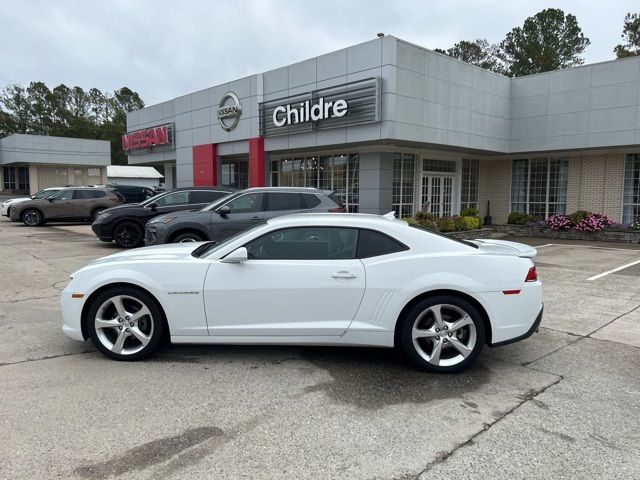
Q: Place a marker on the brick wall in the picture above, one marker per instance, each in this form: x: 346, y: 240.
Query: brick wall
x: 595, y: 183
x: 495, y: 186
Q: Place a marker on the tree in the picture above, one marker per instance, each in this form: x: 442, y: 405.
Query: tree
x: 68, y: 112
x: 631, y: 35
x: 550, y: 40
x: 478, y: 52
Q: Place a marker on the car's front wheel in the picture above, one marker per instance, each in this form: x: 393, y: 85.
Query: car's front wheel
x: 32, y: 218
x: 128, y: 235
x: 443, y: 334
x: 187, y: 237
x: 125, y: 323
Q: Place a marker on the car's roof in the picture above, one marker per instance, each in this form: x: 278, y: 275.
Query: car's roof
x: 336, y: 219
x: 213, y: 189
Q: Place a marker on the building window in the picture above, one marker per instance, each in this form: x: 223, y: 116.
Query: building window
x: 539, y: 186
x: 469, y: 187
x: 442, y: 166
x: 403, y: 184
x: 631, y: 194
x: 336, y: 172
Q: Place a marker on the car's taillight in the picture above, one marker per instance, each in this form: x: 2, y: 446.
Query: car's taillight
x: 337, y: 210
x: 532, y: 275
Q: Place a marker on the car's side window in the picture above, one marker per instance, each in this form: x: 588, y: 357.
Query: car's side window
x: 176, y: 198
x: 247, y: 203
x: 284, y: 201
x: 64, y: 195
x: 373, y: 244
x: 305, y: 243
x: 311, y: 200
x: 204, y: 196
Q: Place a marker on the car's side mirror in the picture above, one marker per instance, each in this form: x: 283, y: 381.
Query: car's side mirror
x: 239, y: 255
x: 224, y: 210
x: 153, y: 206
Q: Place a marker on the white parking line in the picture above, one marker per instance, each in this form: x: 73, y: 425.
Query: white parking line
x: 603, y: 274
x: 584, y: 246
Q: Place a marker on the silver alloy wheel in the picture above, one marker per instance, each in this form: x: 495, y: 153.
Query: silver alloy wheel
x: 124, y: 324
x: 187, y: 240
x: 32, y: 218
x: 444, y: 335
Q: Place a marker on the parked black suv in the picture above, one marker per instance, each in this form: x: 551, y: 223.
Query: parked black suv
x: 125, y: 224
x: 132, y: 193
x: 238, y: 212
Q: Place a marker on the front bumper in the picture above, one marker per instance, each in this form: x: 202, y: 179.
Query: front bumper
x: 15, y: 215
x: 103, y: 231
x: 155, y: 234
x: 72, y: 312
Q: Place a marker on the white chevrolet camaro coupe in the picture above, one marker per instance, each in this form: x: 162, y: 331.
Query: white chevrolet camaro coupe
x: 312, y: 279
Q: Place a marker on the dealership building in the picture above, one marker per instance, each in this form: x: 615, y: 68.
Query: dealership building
x: 390, y: 125
x: 33, y: 162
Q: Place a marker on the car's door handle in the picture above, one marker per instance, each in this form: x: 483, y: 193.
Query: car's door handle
x: 344, y: 274
x: 255, y: 218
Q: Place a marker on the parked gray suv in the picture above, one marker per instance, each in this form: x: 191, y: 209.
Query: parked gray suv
x: 236, y: 212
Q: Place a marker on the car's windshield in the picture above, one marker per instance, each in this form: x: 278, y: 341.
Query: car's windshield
x: 217, y: 203
x: 43, y: 194
x: 210, y: 247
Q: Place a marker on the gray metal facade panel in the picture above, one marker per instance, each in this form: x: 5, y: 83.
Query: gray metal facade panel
x: 20, y: 148
x: 431, y: 98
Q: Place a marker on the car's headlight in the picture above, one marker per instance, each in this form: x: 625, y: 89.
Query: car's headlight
x: 166, y: 220
x: 103, y: 216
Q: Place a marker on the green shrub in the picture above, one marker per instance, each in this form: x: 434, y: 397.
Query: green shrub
x: 577, y: 217
x: 445, y: 224
x: 470, y: 212
x: 519, y: 218
x: 423, y: 219
x: 471, y: 223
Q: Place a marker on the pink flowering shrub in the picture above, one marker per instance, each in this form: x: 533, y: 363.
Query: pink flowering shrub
x: 559, y: 222
x: 594, y: 222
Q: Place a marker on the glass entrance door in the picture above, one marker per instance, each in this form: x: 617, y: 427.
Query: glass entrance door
x: 234, y: 173
x: 437, y: 195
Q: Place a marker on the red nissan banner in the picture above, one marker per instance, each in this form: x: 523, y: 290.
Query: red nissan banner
x: 146, y: 138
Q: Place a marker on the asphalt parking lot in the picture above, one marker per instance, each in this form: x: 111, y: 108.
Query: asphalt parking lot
x: 563, y: 404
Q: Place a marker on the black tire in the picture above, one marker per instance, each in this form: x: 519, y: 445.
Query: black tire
x: 128, y: 235
x: 153, y: 328
x: 187, y: 237
x: 445, y: 347
x: 32, y: 217
x: 96, y: 212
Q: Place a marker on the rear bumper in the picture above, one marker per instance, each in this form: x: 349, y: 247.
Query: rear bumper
x: 534, y: 328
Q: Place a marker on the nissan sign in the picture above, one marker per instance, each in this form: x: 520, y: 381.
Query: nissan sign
x: 148, y: 138
x: 229, y: 111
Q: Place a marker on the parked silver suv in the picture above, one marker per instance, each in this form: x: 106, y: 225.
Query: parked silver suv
x: 69, y: 204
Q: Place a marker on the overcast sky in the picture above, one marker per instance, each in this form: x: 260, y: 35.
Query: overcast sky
x: 163, y: 49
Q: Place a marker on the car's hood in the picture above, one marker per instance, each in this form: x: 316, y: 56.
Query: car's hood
x: 171, y: 251
x: 124, y: 206
x: 503, y: 247
x: 178, y: 215
x: 13, y: 201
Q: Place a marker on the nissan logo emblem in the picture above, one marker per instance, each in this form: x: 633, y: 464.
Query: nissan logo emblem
x: 229, y: 111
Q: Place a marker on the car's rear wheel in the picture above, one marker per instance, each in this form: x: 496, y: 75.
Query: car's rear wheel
x: 128, y: 235
x: 187, y: 237
x: 125, y: 323
x: 443, y: 334
x: 32, y: 218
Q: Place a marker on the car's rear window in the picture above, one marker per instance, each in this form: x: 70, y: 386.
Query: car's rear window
x: 464, y: 242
